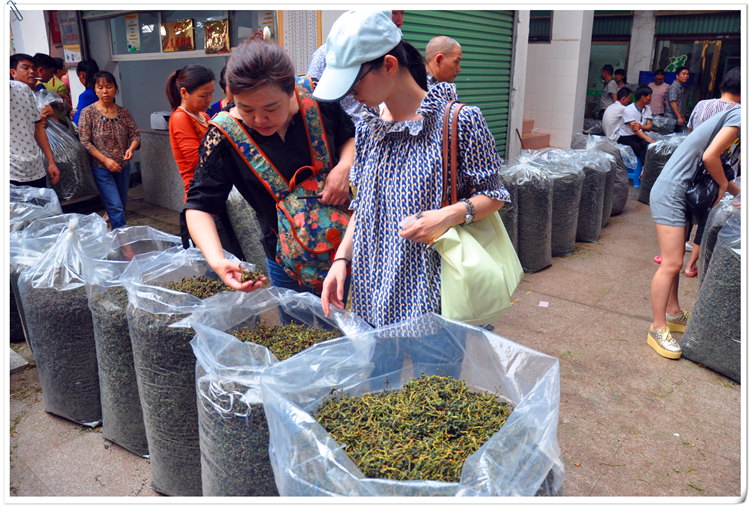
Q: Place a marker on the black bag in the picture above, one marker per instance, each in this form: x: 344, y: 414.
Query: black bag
x: 703, y: 191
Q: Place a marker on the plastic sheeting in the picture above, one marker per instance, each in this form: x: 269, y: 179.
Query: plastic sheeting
x: 509, y: 212
x: 108, y: 301
x: 663, y: 125
x: 233, y: 427
x: 165, y: 364
x: 247, y: 229
x: 29, y: 203
x: 620, y: 186
x: 718, y: 216
x: 657, y: 156
x: 522, y: 459
x: 533, y: 189
x: 60, y: 328
x: 593, y: 126
x: 72, y: 159
x: 713, y: 335
x: 596, y: 169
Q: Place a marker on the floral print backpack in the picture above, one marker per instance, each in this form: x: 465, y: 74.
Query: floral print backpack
x: 309, y: 230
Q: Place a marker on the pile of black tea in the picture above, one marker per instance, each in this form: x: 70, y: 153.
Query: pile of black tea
x: 509, y: 212
x: 121, y: 403
x: 566, y: 200
x: 657, y: 156
x: 609, y: 190
x: 534, y: 222
x: 716, y: 219
x: 200, y: 286
x: 287, y: 340
x: 423, y: 431
x: 592, y: 204
x: 233, y: 441
x: 247, y: 229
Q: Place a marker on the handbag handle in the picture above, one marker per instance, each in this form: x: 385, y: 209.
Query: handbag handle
x: 452, y: 120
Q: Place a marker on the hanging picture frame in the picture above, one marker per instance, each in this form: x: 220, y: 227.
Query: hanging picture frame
x: 217, y: 36
x: 177, y: 36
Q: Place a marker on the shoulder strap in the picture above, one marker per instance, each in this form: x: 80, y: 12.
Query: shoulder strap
x: 452, y: 120
x: 320, y: 153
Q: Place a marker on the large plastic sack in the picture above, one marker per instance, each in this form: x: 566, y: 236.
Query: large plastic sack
x: 29, y: 203
x: 522, y: 459
x: 718, y: 216
x: 75, y: 183
x: 60, y: 329
x: 247, y: 229
x: 565, y: 170
x: 593, y: 126
x: 165, y: 364
x: 714, y: 332
x: 26, y: 246
x: 108, y: 301
x: 45, y: 97
x: 663, y: 125
x: 232, y: 422
x: 597, y: 171
x: 620, y: 187
x: 657, y: 156
x: 509, y: 212
x: 533, y: 189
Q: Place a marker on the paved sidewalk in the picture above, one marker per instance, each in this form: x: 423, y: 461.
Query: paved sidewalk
x: 631, y: 422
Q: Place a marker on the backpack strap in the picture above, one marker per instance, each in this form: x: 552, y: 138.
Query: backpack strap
x: 320, y: 152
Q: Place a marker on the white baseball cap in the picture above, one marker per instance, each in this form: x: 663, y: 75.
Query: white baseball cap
x: 357, y: 37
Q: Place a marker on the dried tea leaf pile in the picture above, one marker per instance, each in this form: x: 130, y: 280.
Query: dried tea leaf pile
x: 424, y: 431
x: 609, y: 190
x: 509, y: 212
x: 247, y: 229
x: 657, y: 156
x: 592, y: 204
x: 287, y: 340
x: 201, y: 286
x: 716, y: 219
x: 566, y: 200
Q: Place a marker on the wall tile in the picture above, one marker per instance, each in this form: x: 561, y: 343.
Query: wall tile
x: 543, y: 120
x: 545, y: 51
x: 562, y: 120
x: 564, y: 103
x: 540, y: 85
x: 532, y: 51
x: 560, y: 138
x: 566, y: 49
x: 566, y: 67
x: 567, y: 25
x: 566, y: 85
x: 544, y: 68
x: 543, y: 102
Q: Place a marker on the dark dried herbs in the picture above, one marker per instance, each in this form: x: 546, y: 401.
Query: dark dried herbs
x: 61, y: 337
x: 592, y: 205
x: 287, y: 340
x: 255, y: 276
x: 609, y: 190
x: 424, y: 431
x: 509, y: 212
x: 566, y: 200
x: 247, y: 229
x: 233, y: 440
x: 657, y: 156
x: 201, y: 286
x: 121, y: 404
x: 716, y: 219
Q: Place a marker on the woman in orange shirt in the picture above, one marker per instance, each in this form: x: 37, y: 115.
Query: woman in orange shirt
x: 190, y: 91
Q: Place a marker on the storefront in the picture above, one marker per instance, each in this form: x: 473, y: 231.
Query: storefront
x: 610, y: 44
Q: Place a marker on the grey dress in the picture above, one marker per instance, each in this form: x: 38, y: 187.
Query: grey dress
x: 668, y: 193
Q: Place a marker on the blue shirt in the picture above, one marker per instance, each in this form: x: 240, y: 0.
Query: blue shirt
x: 84, y: 100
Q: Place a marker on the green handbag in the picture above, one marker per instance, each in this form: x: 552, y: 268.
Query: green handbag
x: 479, y: 266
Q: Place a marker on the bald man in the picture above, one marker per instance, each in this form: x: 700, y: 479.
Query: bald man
x: 443, y: 57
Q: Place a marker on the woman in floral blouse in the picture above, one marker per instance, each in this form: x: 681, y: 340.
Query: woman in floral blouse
x: 110, y: 135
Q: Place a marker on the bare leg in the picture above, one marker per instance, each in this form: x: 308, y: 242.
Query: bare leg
x: 691, y: 265
x: 665, y: 284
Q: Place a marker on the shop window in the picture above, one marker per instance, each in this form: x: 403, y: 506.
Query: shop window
x: 139, y: 33
x: 614, y: 53
x: 242, y: 24
x: 540, y: 26
x: 199, y: 19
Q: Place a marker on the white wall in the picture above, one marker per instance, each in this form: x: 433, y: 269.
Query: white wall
x: 518, y: 85
x: 555, y: 73
x: 30, y: 35
x: 641, y: 44
x: 327, y: 19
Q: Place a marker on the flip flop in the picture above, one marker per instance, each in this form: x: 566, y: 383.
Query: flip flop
x: 691, y: 274
x: 657, y: 259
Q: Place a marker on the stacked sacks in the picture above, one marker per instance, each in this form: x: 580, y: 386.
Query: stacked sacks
x: 620, y: 185
x: 28, y: 245
x: 663, y: 125
x: 593, y: 126
x: 233, y: 427
x: 657, y: 156
x: 719, y: 216
x: 509, y: 212
x: 713, y: 334
x: 247, y: 229
x: 533, y: 188
x: 165, y: 363
x: 565, y: 170
x: 597, y: 167
x: 108, y: 301
x: 60, y: 327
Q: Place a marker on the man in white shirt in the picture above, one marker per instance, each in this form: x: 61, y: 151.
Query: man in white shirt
x: 636, y: 119
x: 612, y: 119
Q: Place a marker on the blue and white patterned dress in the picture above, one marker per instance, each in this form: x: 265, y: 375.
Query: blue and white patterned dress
x: 397, y: 172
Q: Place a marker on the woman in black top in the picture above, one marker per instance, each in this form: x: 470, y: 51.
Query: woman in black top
x: 261, y: 78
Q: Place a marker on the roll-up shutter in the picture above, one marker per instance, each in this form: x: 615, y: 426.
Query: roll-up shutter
x: 486, y: 39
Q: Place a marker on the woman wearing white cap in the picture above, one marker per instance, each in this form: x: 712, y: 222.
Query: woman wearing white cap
x: 288, y: 156
x: 398, y: 171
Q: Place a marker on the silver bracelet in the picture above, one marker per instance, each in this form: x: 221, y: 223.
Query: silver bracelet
x: 470, y: 212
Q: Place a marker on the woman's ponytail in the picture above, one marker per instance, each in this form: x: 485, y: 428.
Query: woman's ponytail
x: 190, y: 77
x: 173, y: 94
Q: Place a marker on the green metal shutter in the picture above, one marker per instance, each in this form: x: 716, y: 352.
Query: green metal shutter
x: 606, y: 25
x: 486, y: 39
x: 711, y: 23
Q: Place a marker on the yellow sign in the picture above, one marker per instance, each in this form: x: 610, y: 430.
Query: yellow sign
x: 217, y: 36
x: 177, y: 36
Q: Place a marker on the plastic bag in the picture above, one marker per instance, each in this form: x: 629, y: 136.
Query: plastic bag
x: 620, y: 187
x: 657, y: 156
x: 533, y: 189
x: 60, y: 329
x: 247, y: 229
x: 718, y: 216
x: 663, y: 125
x: 522, y: 459
x: 233, y: 427
x: 165, y: 364
x: 108, y: 301
x: 565, y: 170
x: 509, y: 212
x: 29, y: 203
x: 593, y: 126
x: 597, y: 167
x: 26, y: 246
x: 47, y: 97
x: 714, y: 332
x: 75, y: 183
